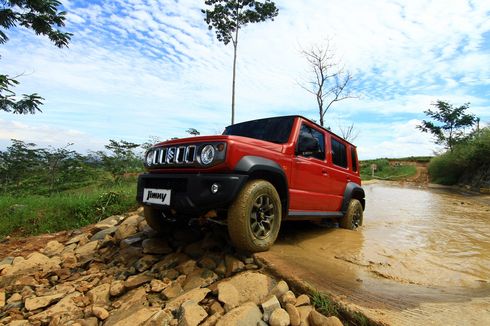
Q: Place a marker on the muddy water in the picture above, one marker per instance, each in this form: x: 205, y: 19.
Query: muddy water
x: 421, y: 256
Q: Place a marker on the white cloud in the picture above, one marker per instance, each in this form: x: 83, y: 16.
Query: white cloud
x: 138, y: 68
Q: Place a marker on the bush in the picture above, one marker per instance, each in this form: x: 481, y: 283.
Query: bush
x: 465, y: 157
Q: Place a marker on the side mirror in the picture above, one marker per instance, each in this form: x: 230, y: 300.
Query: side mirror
x: 308, y: 145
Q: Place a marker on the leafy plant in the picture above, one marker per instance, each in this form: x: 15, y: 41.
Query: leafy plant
x: 44, y: 18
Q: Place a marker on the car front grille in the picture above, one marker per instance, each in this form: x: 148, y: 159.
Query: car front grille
x: 174, y: 155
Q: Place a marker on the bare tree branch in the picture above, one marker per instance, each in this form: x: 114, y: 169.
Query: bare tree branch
x: 349, y: 133
x: 329, y: 83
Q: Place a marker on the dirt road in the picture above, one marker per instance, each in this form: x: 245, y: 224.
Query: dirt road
x: 422, y: 257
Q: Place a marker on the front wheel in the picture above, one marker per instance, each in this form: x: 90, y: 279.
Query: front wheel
x: 254, y: 218
x: 353, y: 217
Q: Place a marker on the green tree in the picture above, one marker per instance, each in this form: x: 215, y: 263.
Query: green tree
x: 20, y: 161
x: 122, y: 159
x: 448, y: 127
x: 193, y: 132
x: 228, y: 16
x: 44, y: 18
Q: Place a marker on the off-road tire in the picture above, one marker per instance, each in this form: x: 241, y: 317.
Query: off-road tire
x: 155, y: 220
x: 353, y: 217
x: 243, y: 215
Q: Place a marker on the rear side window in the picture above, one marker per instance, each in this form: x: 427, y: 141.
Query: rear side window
x: 339, y: 153
x: 353, y: 159
x: 306, y: 135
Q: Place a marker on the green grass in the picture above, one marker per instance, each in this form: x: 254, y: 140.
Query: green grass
x: 385, y: 171
x: 36, y: 214
x: 325, y: 305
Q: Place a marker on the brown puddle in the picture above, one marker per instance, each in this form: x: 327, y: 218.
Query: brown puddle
x: 422, y: 255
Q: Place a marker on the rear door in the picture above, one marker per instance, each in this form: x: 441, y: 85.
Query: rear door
x: 338, y: 169
x: 310, y: 188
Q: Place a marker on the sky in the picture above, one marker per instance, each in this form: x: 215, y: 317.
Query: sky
x: 137, y: 69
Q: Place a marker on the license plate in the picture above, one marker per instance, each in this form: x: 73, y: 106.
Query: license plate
x: 156, y: 196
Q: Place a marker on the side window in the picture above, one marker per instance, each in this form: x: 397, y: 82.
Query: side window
x: 339, y: 153
x: 311, y: 143
x: 353, y: 159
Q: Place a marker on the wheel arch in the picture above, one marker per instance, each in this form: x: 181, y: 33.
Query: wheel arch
x: 353, y: 191
x: 257, y: 167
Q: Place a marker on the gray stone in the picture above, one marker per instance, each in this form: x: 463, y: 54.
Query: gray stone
x: 173, y: 290
x: 137, y: 280
x: 246, y: 314
x: 199, y: 278
x: 100, y: 313
x: 124, y: 231
x: 101, y: 234
x: 133, y: 316
x: 159, y: 285
x: 117, y: 288
x: 233, y: 265
x: 15, y: 297
x: 99, y: 295
x: 302, y: 300
x: 195, y: 295
x: 2, y: 299
x: 279, y: 317
x: 191, y: 314
x: 156, y: 246
x: 293, y: 313
x: 65, y: 309
x: 53, y: 248
x: 269, y: 306
x: 41, y: 302
x: 317, y: 319
x: 229, y: 295
x: 304, y: 312
x: 280, y: 289
x: 146, y: 262
x: 288, y: 297
x: 161, y: 318
x: 252, y: 286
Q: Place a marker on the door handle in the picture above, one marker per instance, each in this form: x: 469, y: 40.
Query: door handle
x: 324, y: 172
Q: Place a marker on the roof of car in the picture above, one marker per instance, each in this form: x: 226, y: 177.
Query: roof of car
x: 309, y: 120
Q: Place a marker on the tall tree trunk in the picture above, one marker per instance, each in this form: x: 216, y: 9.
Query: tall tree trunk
x: 233, y: 85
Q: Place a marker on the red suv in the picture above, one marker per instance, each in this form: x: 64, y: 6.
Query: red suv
x: 252, y: 177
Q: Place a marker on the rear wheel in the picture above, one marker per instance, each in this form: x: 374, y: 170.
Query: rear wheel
x: 254, y: 218
x: 353, y: 217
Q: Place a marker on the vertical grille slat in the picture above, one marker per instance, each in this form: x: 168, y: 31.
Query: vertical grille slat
x: 175, y: 155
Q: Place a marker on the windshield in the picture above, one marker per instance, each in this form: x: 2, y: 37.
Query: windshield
x: 275, y: 130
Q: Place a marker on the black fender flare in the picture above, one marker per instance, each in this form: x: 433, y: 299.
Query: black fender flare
x: 353, y: 190
x: 270, y: 170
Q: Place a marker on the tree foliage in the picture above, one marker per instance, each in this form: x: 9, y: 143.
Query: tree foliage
x: 28, y: 168
x: 228, y: 16
x: 193, y: 132
x: 44, y: 18
x: 449, y: 123
x: 329, y: 82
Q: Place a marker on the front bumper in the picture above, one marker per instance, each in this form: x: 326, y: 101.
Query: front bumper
x: 191, y: 193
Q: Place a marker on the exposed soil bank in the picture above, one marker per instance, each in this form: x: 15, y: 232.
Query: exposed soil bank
x: 422, y: 257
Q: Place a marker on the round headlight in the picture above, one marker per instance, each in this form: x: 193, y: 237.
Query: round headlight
x: 149, y: 157
x: 207, y: 154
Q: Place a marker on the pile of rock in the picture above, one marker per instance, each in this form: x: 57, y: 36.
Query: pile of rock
x: 120, y: 272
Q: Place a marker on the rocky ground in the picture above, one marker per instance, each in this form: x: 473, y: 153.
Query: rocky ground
x: 120, y: 272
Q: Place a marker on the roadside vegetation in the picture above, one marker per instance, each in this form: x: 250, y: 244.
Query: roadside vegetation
x: 52, y: 189
x: 329, y: 307
x: 467, y: 156
x: 467, y: 147
x: 389, y: 169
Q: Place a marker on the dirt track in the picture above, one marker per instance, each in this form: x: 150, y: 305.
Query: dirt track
x: 422, y: 257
